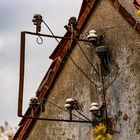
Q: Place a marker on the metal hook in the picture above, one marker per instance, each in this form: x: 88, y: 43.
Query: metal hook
x: 41, y: 40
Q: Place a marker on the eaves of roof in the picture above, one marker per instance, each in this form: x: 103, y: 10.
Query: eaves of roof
x: 60, y: 55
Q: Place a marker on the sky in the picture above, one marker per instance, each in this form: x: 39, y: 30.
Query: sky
x: 16, y: 16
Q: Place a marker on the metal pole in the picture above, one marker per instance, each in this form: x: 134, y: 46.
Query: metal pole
x: 21, y: 75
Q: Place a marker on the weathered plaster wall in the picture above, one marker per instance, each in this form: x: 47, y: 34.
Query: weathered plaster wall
x: 124, y: 44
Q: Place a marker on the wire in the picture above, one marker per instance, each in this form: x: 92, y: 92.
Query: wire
x: 84, y: 73
x: 80, y: 68
x: 83, y: 115
x: 50, y: 31
x: 87, y: 58
x: 71, y: 57
x: 64, y: 109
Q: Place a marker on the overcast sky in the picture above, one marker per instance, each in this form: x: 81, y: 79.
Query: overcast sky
x: 16, y: 16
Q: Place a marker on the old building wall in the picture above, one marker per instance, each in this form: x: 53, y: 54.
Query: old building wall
x: 122, y: 95
x: 123, y: 42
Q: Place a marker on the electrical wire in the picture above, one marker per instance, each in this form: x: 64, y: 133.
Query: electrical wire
x: 99, y: 86
x: 83, y: 115
x: 84, y: 73
x: 50, y: 31
x: 88, y: 58
x: 65, y: 110
x: 80, y: 68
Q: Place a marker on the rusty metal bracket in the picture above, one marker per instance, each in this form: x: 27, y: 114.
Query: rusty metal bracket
x: 34, y: 112
x: 22, y: 62
x: 21, y: 81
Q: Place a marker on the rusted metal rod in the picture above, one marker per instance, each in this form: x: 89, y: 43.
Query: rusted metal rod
x: 57, y: 120
x: 53, y: 36
x: 21, y: 75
